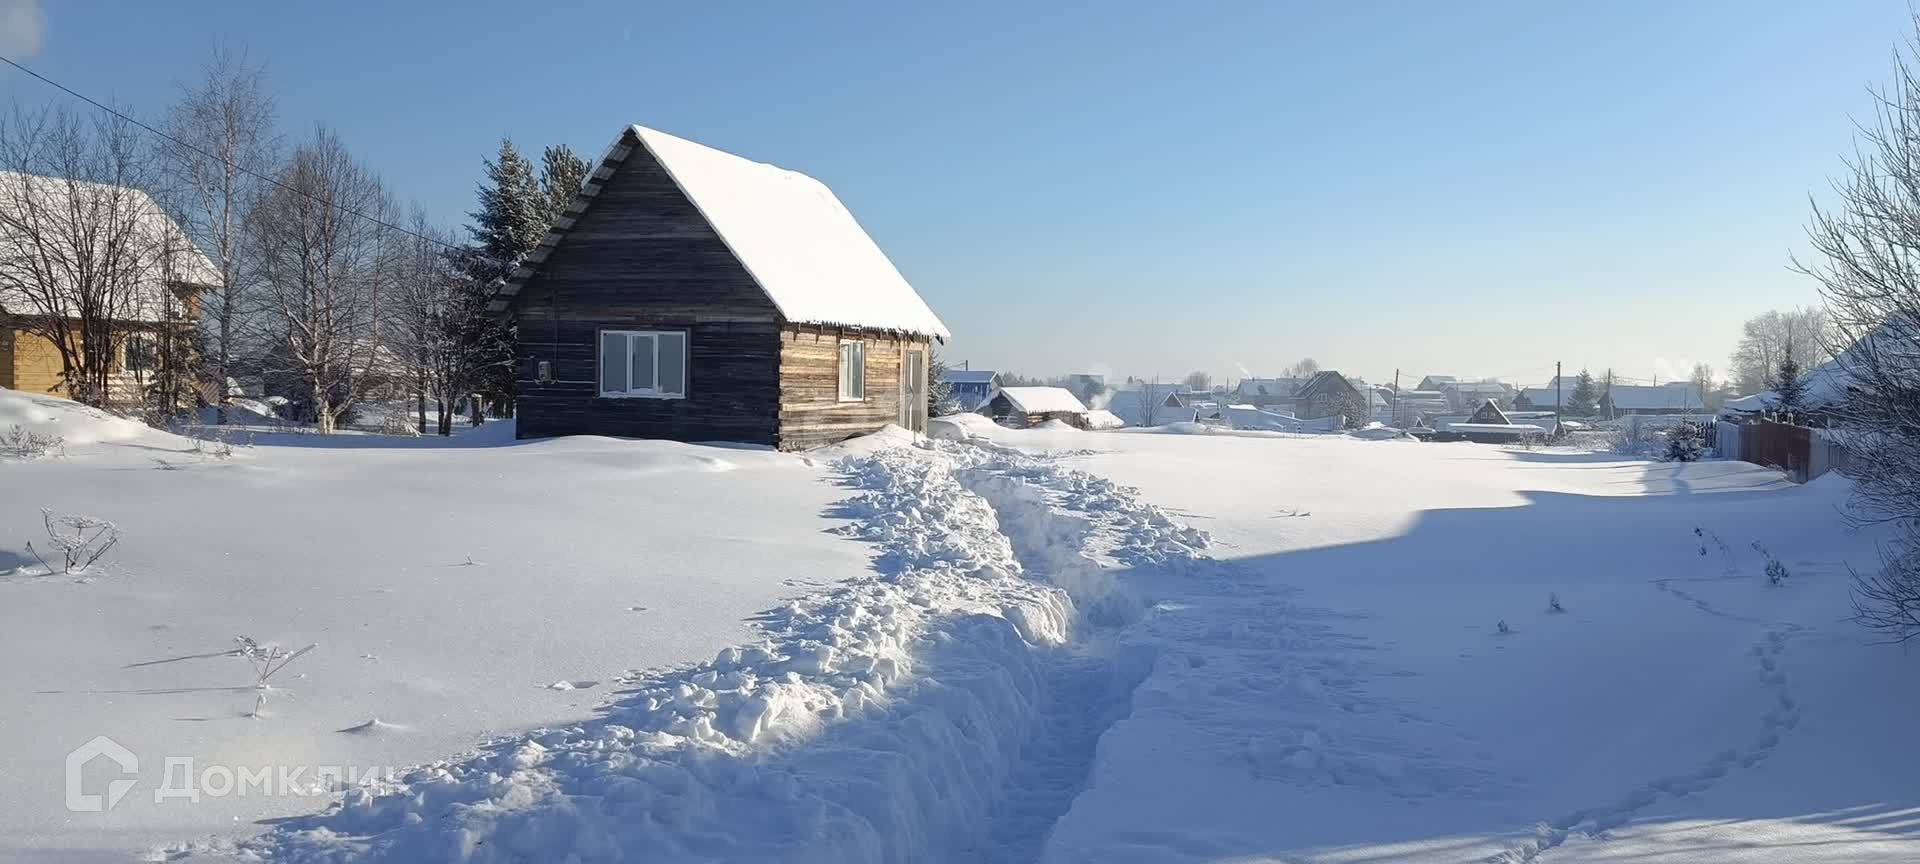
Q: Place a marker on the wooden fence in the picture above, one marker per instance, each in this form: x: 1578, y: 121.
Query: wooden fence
x: 1802, y: 452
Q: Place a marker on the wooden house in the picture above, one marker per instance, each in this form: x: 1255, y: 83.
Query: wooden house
x: 153, y: 303
x: 1021, y: 407
x: 1330, y: 394
x: 1151, y: 405
x: 970, y: 387
x: 692, y: 294
x: 1272, y: 394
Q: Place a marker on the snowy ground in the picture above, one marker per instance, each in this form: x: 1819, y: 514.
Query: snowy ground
x: 588, y: 557
x: 1261, y: 647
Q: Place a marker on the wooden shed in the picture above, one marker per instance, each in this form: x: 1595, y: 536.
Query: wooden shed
x: 691, y: 294
x: 1021, y: 407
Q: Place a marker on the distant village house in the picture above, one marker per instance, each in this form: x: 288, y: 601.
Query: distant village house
x: 970, y: 387
x: 1022, y: 407
x: 99, y: 291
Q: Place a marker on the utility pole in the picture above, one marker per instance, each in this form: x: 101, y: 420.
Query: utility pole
x: 1556, y: 394
x: 1396, y: 396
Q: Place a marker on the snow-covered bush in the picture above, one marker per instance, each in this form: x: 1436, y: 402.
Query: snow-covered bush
x: 81, y: 541
x: 1640, y: 442
x: 1553, y: 604
x: 19, y: 442
x: 1776, y: 571
x: 1684, y: 444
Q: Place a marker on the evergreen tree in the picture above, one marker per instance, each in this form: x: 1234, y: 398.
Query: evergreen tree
x: 510, y: 222
x: 1790, y: 392
x: 561, y: 175
x: 512, y: 215
x: 1684, y: 444
x: 939, y: 393
x: 1584, y: 400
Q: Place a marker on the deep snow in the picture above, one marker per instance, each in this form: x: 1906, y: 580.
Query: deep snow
x: 1263, y: 647
x: 449, y: 586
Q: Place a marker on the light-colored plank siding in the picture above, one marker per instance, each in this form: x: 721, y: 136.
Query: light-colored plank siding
x: 36, y: 364
x: 811, y: 413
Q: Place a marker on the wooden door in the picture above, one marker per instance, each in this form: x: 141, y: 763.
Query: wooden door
x: 913, y: 391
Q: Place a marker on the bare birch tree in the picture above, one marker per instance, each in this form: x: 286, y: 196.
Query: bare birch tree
x: 1769, y: 336
x: 326, y: 265
x: 433, y: 304
x: 85, y: 251
x: 1868, y: 266
x: 222, y: 140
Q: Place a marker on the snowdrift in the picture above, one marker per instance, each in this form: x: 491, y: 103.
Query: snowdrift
x: 72, y: 422
x: 1250, y: 417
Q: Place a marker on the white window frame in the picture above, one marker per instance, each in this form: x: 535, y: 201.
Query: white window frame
x: 840, y: 366
x: 599, y: 372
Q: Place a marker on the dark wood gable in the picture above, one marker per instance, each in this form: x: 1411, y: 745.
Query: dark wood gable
x: 1489, y: 413
x: 641, y: 257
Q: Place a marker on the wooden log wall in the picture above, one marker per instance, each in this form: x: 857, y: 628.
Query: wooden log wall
x: 811, y: 413
x: 643, y: 258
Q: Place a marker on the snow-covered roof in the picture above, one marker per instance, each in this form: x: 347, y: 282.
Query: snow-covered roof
x: 1672, y: 396
x: 1040, y: 400
x: 168, y: 257
x: 788, y: 230
x: 1275, y: 387
x: 968, y: 376
x: 1127, y: 404
x: 1322, y: 380
x: 1827, y: 383
x: 1101, y: 418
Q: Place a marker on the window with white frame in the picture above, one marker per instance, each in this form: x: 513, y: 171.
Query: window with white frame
x: 644, y: 363
x: 853, y: 370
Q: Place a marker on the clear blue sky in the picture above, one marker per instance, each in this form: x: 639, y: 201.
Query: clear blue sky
x: 1146, y: 188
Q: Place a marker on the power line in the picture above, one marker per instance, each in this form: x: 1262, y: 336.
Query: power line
x: 249, y: 172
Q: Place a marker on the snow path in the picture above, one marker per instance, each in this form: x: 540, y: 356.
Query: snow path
x: 947, y: 706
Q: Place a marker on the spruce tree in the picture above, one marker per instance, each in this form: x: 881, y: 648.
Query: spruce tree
x: 509, y: 224
x: 1789, y: 391
x: 561, y: 175
x: 1684, y: 443
x: 1584, y: 400
x: 939, y: 393
x: 512, y: 215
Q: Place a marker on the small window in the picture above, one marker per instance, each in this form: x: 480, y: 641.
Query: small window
x: 646, y: 363
x: 142, y: 352
x: 853, y: 371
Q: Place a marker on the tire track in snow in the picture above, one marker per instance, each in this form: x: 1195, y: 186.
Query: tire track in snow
x: 1782, y: 717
